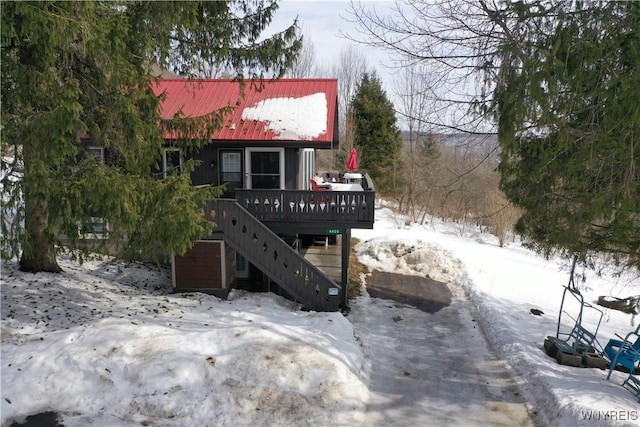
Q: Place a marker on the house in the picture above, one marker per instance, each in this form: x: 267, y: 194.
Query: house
x: 265, y: 154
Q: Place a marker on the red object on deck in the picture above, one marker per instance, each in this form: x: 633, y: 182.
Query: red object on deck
x: 352, y: 161
x: 315, y: 186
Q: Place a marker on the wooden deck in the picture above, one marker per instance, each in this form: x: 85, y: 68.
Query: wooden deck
x: 309, y: 212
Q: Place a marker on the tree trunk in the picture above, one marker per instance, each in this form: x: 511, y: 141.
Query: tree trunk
x: 38, y: 251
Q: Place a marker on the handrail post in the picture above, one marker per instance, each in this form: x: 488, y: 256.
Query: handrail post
x: 346, y: 249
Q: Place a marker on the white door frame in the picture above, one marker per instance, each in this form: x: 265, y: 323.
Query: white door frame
x: 247, y: 164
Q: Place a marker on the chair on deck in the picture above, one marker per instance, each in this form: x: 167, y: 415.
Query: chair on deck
x: 626, y: 353
x: 318, y: 185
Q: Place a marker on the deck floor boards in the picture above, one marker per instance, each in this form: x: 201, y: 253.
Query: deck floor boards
x: 328, y: 259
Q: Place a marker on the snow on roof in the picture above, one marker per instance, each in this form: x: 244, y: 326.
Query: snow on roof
x: 292, y: 110
x: 302, y: 118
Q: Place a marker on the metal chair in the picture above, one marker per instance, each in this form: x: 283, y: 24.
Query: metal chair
x: 579, y: 341
x: 624, y: 352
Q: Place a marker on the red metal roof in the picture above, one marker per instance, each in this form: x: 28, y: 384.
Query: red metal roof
x: 283, y: 110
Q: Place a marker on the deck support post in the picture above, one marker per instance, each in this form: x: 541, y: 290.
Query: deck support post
x: 346, y: 249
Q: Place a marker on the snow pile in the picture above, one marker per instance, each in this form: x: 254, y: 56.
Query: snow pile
x: 411, y: 257
x: 106, y: 345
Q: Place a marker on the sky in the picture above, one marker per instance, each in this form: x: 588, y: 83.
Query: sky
x: 324, y: 21
x: 107, y: 344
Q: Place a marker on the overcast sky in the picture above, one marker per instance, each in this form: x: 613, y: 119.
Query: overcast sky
x: 323, y: 21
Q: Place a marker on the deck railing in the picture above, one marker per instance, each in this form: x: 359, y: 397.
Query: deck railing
x: 355, y: 207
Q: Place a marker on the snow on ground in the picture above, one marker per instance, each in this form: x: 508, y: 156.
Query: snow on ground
x: 505, y: 284
x: 106, y: 344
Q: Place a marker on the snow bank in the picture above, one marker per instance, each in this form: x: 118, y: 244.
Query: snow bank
x: 107, y: 345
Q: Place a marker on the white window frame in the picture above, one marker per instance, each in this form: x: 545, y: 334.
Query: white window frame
x: 93, y: 148
x: 222, y: 163
x: 242, y: 267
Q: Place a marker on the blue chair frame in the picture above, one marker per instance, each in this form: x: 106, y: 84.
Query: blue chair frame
x: 626, y: 353
x: 632, y: 383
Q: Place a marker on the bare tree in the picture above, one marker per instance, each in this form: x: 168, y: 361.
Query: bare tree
x: 349, y: 68
x: 305, y: 65
x: 352, y: 64
x: 412, y: 106
x: 452, y: 41
x: 216, y: 70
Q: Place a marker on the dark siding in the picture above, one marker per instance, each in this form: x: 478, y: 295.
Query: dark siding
x: 204, y: 173
x: 291, y: 164
x: 200, y: 267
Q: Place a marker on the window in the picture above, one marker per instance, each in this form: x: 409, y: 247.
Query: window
x: 172, y: 161
x: 242, y: 267
x: 95, y: 228
x: 231, y: 167
x: 231, y: 172
x: 97, y: 153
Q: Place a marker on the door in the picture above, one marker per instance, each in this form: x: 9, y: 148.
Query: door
x: 265, y: 168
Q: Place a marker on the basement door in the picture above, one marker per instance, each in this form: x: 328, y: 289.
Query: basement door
x: 265, y: 167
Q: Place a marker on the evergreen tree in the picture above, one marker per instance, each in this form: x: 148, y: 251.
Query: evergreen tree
x: 82, y: 68
x: 377, y: 136
x: 567, y: 102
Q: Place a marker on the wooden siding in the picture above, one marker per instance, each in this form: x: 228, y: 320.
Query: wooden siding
x: 200, y: 267
x: 204, y: 174
x: 291, y: 163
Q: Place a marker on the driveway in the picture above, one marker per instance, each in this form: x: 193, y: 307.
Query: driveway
x: 429, y: 362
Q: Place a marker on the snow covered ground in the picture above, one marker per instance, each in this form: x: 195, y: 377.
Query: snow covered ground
x: 106, y: 344
x: 504, y: 284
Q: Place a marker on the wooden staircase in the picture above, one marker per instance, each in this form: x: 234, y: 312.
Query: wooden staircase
x: 279, y: 261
